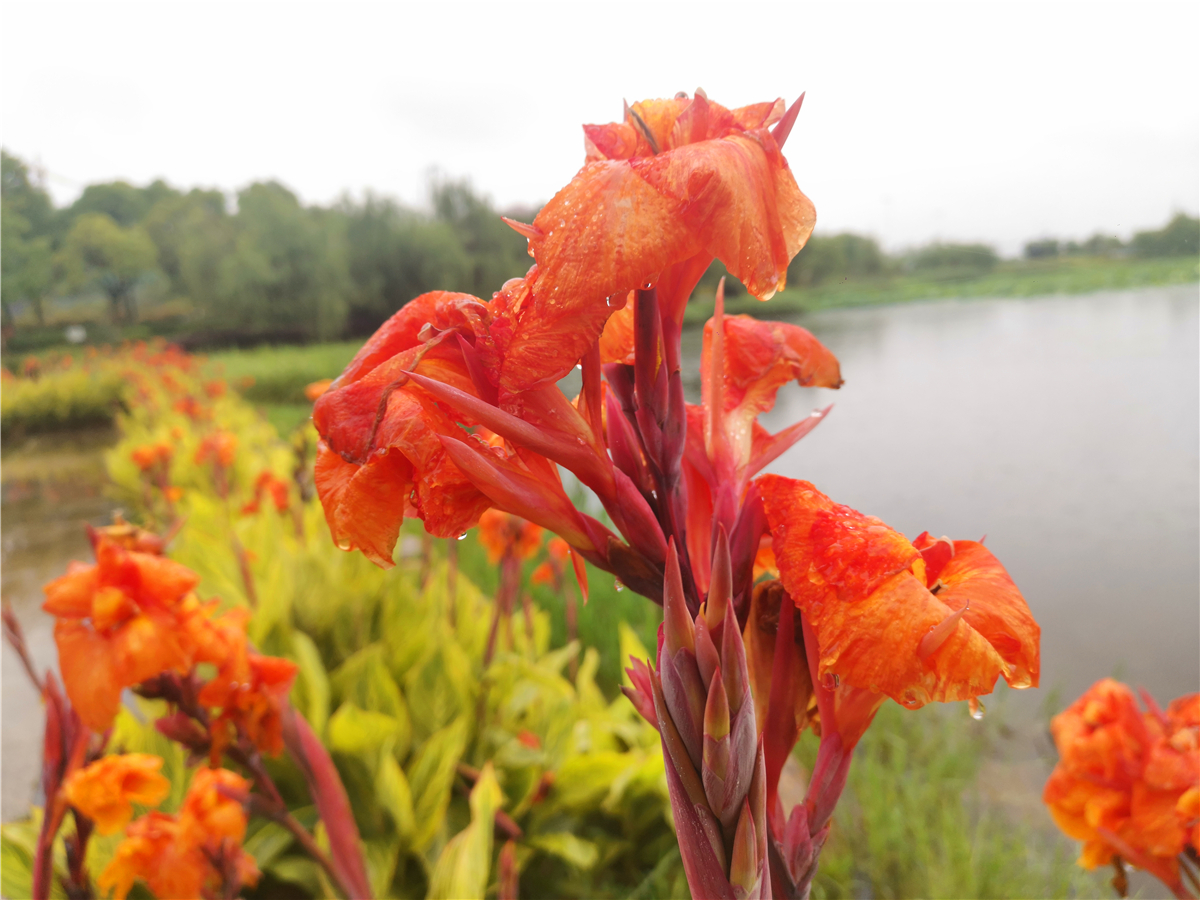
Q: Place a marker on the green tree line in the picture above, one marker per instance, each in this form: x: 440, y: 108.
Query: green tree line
x: 263, y: 267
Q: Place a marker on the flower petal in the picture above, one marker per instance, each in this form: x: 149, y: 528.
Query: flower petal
x: 852, y: 576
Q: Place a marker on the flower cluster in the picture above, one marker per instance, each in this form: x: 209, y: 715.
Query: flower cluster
x: 134, y: 615
x: 196, y: 853
x: 1128, y: 781
x: 451, y: 411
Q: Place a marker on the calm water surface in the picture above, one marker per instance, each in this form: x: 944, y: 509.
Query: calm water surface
x: 1065, y: 429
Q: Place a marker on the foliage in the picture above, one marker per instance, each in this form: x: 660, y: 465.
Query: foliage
x: 391, y: 678
x: 99, y: 251
x: 838, y: 256
x: 914, y: 823
x: 1180, y: 237
x: 73, y: 397
x: 25, y: 250
x: 954, y: 258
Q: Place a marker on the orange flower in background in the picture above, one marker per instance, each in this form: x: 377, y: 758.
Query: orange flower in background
x: 178, y: 856
x: 662, y: 193
x: 118, y: 623
x: 277, y: 488
x: 551, y: 571
x: 250, y: 690
x: 106, y: 790
x: 317, y: 388
x: 220, y: 447
x: 881, y: 624
x: 215, y: 389
x: 504, y: 535
x: 1128, y: 782
x: 149, y: 456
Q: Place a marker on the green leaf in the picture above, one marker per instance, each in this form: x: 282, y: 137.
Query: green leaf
x: 395, y: 795
x: 364, y: 679
x: 311, y: 693
x: 572, y: 850
x: 361, y: 732
x: 462, y: 870
x: 267, y: 843
x: 431, y: 777
x: 299, y: 870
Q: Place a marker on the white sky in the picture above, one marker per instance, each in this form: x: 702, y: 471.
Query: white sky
x: 965, y: 121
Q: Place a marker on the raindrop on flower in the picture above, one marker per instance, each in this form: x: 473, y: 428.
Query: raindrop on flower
x: 617, y: 585
x: 975, y: 708
x: 463, y: 536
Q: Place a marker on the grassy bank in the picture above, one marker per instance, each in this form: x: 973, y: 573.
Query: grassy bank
x: 1011, y: 278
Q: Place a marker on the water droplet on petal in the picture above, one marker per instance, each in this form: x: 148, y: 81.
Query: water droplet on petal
x: 617, y: 585
x: 975, y: 708
x: 463, y: 536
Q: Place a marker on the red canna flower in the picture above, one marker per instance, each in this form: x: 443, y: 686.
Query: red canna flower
x: 106, y: 790
x: 662, y: 193
x: 117, y: 625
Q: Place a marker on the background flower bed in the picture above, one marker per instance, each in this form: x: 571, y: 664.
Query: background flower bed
x: 399, y: 696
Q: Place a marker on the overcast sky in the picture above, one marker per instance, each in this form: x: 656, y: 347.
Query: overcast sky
x: 964, y: 121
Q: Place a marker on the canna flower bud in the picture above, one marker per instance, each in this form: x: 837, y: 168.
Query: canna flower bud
x: 717, y: 779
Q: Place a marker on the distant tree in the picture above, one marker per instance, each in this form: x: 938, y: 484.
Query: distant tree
x: 99, y: 252
x: 120, y: 201
x: 832, y: 257
x: 1180, y: 237
x: 395, y: 254
x: 1043, y: 248
x: 177, y: 219
x: 26, y: 216
x: 496, y: 252
x: 24, y: 195
x: 276, y: 269
x: 1102, y: 245
x: 954, y: 258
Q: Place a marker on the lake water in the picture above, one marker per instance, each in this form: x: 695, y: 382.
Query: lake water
x: 1067, y: 429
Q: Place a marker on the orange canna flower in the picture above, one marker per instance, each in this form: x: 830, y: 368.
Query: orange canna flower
x: 317, y: 388
x: 148, y: 456
x: 552, y: 569
x: 381, y: 457
x: 881, y: 624
x: 215, y: 389
x: 211, y: 811
x: 269, y: 484
x: 106, y: 790
x: 502, y: 534
x: 249, y: 689
x: 661, y: 194
x: 118, y: 624
x: 220, y: 447
x: 153, y: 852
x: 1128, y: 782
x: 179, y: 856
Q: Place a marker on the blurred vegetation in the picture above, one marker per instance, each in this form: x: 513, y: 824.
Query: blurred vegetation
x: 210, y: 270
x: 393, y: 682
